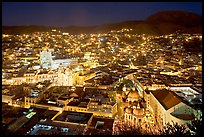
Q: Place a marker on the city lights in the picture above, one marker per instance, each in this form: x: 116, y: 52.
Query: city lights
x: 128, y: 78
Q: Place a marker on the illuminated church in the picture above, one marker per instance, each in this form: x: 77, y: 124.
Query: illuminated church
x: 135, y: 106
x: 47, y: 61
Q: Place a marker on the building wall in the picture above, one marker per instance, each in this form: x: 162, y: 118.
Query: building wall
x: 147, y: 99
x: 114, y: 109
x: 7, y: 99
x: 64, y: 62
x: 102, y: 114
x: 156, y: 86
x: 64, y: 102
x: 140, y: 88
x: 30, y: 101
x: 46, y: 59
x: 80, y: 80
x: 14, y: 81
x: 98, y: 112
x: 158, y: 111
x: 75, y: 108
x: 49, y: 107
x: 71, y: 78
x: 163, y: 116
x: 183, y: 89
x: 100, y: 109
x: 133, y: 119
x: 29, y: 78
x: 43, y: 77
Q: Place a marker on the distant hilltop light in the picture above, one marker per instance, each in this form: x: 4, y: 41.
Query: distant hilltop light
x: 64, y: 33
x: 5, y: 35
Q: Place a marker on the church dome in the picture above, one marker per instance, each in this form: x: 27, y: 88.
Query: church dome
x: 138, y: 112
x: 128, y: 110
x: 124, y: 88
x: 134, y: 95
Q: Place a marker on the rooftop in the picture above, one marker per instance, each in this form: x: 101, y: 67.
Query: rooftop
x: 63, y: 97
x: 49, y: 114
x: 188, y: 94
x: 166, y: 98
x: 51, y: 103
x: 82, y: 103
x: 74, y: 117
x: 108, y: 122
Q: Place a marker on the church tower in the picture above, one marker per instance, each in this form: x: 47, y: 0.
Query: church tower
x: 46, y: 59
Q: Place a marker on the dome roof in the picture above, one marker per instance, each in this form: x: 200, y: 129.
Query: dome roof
x: 124, y: 88
x: 138, y: 112
x: 128, y: 110
x: 133, y: 94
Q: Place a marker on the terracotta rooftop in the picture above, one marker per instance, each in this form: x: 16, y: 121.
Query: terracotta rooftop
x: 166, y: 98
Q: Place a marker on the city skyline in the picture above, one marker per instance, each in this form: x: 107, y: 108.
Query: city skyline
x: 129, y: 78
x: 86, y: 13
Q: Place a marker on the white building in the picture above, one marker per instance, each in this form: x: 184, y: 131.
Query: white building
x: 7, y: 97
x: 166, y: 107
x: 65, y: 77
x: 14, y: 81
x: 47, y: 61
x: 135, y: 108
x: 64, y: 62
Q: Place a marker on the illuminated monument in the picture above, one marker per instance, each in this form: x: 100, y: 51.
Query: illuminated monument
x: 47, y: 61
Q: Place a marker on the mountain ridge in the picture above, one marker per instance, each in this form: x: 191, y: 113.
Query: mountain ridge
x: 163, y: 22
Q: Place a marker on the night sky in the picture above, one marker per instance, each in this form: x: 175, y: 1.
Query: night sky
x: 85, y: 13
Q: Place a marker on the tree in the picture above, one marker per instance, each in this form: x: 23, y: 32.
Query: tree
x: 196, y: 126
x: 174, y: 129
x: 125, y: 129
